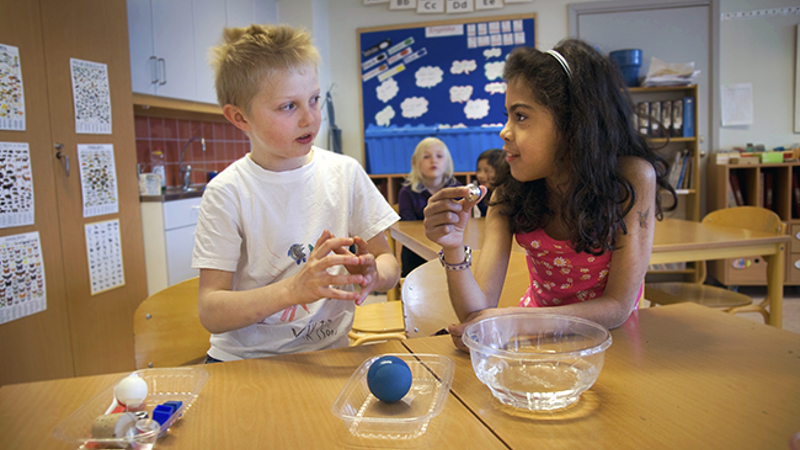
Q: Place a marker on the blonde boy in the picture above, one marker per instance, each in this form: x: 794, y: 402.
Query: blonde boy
x: 274, y: 228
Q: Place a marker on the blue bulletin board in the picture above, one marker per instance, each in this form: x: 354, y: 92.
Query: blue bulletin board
x: 437, y: 78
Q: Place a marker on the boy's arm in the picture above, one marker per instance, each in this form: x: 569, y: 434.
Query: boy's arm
x: 222, y: 309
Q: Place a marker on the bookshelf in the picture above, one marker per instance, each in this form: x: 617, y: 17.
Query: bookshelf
x: 755, y: 182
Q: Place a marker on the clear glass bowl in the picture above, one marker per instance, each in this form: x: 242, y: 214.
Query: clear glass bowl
x: 538, y: 362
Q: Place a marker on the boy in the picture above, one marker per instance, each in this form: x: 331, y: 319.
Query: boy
x: 275, y: 227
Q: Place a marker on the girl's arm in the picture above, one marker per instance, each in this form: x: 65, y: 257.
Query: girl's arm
x: 405, y: 204
x: 479, y: 287
x: 222, y: 309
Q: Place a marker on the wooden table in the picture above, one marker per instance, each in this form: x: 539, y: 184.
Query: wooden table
x: 675, y: 240
x: 675, y: 377
x: 680, y: 376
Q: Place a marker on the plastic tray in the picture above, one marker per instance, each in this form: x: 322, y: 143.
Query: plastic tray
x: 182, y: 384
x: 367, y: 417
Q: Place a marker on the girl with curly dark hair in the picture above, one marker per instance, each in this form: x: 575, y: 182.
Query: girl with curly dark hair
x: 580, y: 195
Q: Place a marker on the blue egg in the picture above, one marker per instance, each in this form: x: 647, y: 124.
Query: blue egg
x: 389, y: 378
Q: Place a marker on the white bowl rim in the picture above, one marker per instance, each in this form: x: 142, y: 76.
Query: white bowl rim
x: 477, y: 347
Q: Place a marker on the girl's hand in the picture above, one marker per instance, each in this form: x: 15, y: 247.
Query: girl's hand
x: 456, y: 331
x: 314, y: 282
x: 447, y: 214
x: 366, y: 267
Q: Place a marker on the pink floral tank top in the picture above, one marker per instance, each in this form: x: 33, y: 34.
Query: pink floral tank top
x: 559, y: 275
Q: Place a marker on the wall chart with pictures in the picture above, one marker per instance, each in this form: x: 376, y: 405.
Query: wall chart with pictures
x: 12, y: 94
x: 22, y: 290
x: 92, y: 97
x: 16, y: 185
x: 444, y: 75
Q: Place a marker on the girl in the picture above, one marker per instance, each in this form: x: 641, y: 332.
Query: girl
x: 431, y: 170
x: 581, y: 187
x: 488, y: 165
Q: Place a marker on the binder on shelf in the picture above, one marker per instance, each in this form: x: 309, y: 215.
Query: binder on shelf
x: 655, y: 118
x: 688, y: 117
x: 677, y: 118
x: 643, y: 113
x: 731, y: 196
x: 684, y: 163
x: 737, y: 190
x: 675, y: 170
x: 666, y: 117
x: 687, y: 178
x: 768, y: 190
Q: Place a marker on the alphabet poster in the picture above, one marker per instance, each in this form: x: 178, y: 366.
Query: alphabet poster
x: 16, y: 185
x: 104, y: 249
x: 98, y: 179
x: 22, y: 290
x: 446, y: 74
x: 12, y: 95
x: 92, y: 97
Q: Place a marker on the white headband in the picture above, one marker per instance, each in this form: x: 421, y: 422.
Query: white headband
x: 561, y: 60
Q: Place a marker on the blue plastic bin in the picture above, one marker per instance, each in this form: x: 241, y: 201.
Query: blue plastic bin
x: 389, y: 149
x: 629, y: 61
x: 466, y: 144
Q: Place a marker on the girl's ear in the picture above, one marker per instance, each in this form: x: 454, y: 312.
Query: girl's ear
x: 236, y: 116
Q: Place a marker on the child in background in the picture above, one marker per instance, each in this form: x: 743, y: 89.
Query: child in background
x: 274, y: 228
x: 488, y: 165
x: 581, y: 187
x: 431, y: 170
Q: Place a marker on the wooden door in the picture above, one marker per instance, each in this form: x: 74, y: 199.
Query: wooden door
x: 36, y: 347
x: 101, y: 325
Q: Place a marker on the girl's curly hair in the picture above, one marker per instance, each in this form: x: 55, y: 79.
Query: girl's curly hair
x: 594, y: 118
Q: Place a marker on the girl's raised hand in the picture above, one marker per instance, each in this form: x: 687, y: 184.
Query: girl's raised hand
x: 447, y: 214
x: 314, y: 281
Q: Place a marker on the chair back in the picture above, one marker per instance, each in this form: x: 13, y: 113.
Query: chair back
x: 167, y: 330
x: 426, y: 301
x: 746, y: 217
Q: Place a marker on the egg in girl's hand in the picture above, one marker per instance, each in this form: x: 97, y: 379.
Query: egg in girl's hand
x: 131, y: 391
x: 389, y: 378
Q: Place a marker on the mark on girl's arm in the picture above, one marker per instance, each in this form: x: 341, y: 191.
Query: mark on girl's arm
x: 643, y: 218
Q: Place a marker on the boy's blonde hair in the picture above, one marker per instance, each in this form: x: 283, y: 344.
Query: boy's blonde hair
x: 414, y: 179
x: 249, y: 55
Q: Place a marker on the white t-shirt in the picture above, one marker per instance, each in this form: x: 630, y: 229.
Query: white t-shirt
x: 261, y: 225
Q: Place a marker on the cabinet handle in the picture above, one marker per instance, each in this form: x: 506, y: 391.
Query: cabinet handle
x: 153, y: 70
x: 163, y: 70
x: 60, y: 155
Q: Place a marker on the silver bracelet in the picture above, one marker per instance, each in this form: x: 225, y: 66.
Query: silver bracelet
x: 460, y: 266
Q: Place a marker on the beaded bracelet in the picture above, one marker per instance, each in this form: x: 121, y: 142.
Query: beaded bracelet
x: 460, y: 266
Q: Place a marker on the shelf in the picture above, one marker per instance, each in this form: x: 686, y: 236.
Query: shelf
x: 152, y: 105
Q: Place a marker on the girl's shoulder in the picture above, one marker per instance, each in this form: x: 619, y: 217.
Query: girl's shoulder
x: 637, y: 170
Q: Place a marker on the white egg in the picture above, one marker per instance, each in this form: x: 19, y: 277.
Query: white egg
x: 131, y: 391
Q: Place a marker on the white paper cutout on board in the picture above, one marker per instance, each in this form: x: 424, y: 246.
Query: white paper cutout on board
x: 104, y: 251
x: 494, y: 70
x: 12, y: 94
x: 98, y: 179
x: 428, y: 76
x: 477, y: 109
x: 16, y: 185
x: 23, y: 288
x: 465, y: 67
x: 492, y: 53
x: 91, y: 96
x: 385, y: 116
x: 498, y: 87
x: 737, y: 104
x: 387, y: 90
x: 460, y: 94
x: 414, y: 107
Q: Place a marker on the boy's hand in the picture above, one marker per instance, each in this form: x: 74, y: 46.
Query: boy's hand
x: 314, y: 282
x: 366, y: 266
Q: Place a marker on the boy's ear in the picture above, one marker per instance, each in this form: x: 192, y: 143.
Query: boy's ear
x: 236, y: 116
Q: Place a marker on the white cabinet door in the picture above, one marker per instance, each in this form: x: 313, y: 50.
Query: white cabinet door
x: 180, y: 242
x: 173, y: 37
x: 209, y: 20
x: 140, y: 34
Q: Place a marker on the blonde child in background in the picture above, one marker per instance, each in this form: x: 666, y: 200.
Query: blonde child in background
x: 431, y: 171
x: 274, y: 228
x: 489, y: 163
x: 581, y: 196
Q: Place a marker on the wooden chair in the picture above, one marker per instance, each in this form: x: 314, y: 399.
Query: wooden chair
x: 426, y: 301
x: 167, y: 330
x: 743, y: 217
x: 378, y: 322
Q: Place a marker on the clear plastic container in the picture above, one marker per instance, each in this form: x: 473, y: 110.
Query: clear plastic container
x: 181, y: 383
x: 367, y: 417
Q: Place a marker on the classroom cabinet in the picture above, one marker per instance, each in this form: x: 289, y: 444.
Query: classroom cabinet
x: 170, y: 42
x: 80, y: 332
x: 771, y: 186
